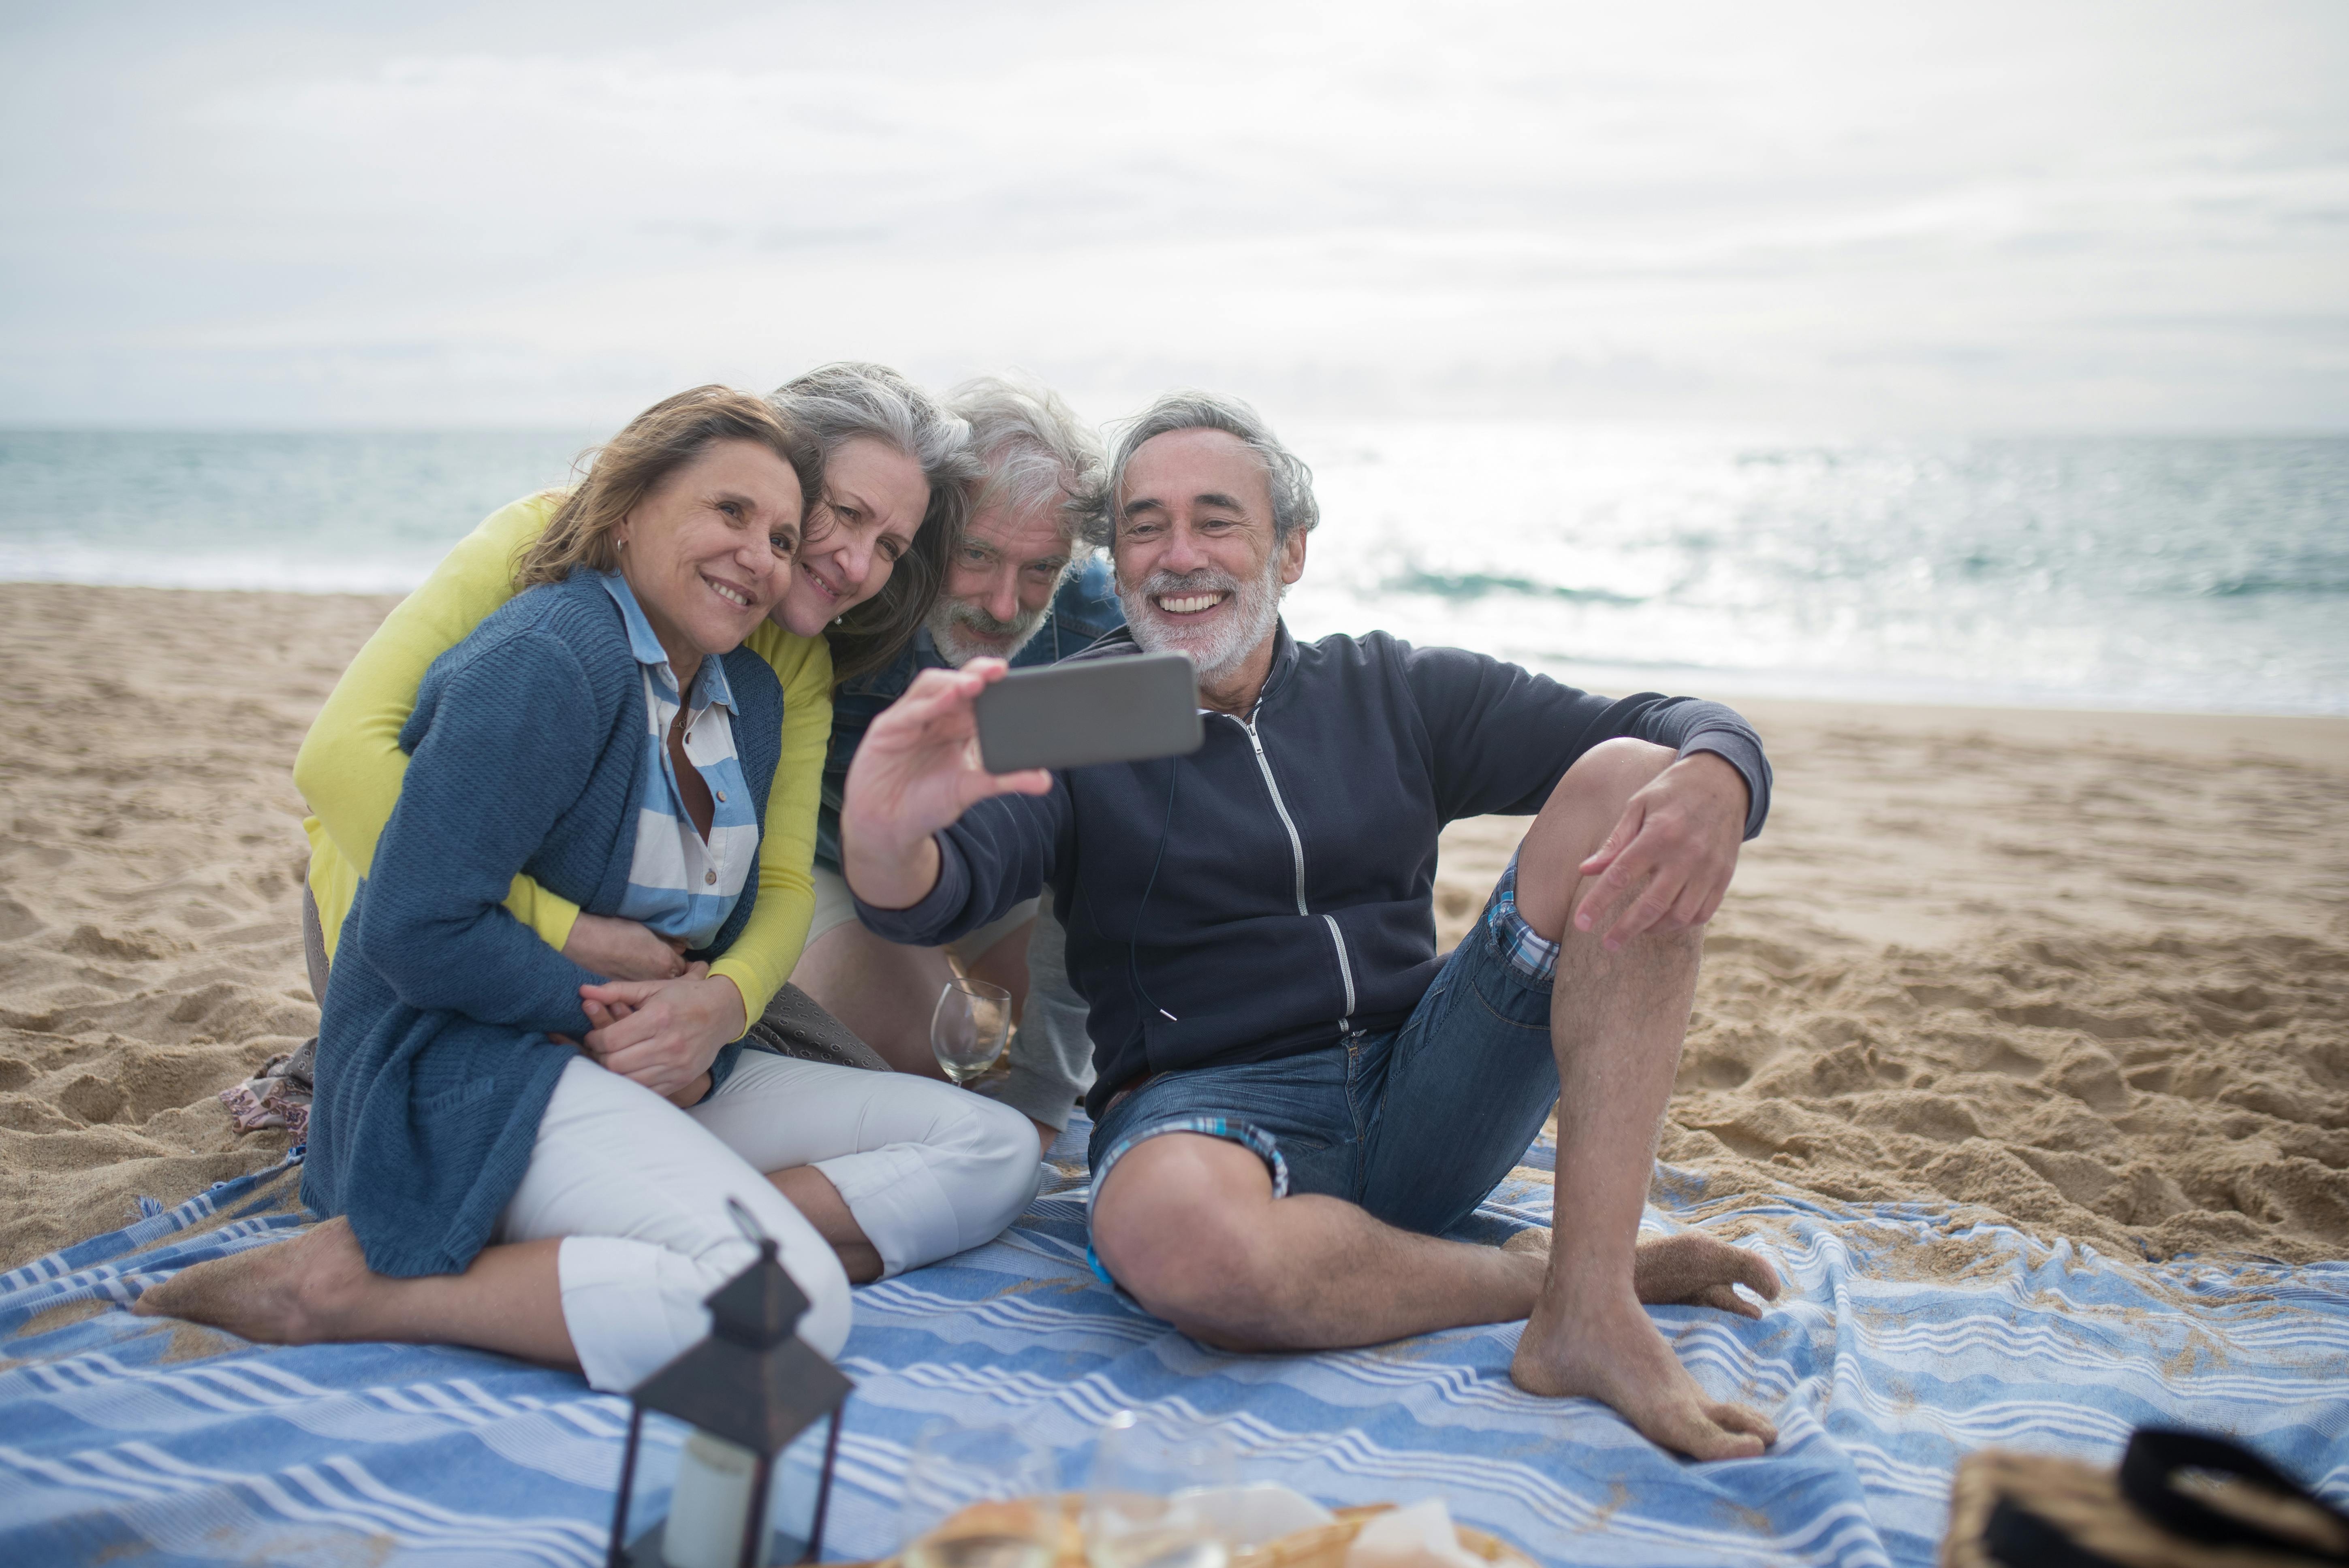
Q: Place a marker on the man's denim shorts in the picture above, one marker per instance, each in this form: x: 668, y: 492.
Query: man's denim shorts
x: 1415, y: 1124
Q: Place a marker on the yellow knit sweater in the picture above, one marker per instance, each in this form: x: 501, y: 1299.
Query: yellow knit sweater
x: 350, y: 765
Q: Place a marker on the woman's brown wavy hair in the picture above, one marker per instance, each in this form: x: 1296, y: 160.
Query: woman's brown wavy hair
x: 649, y: 449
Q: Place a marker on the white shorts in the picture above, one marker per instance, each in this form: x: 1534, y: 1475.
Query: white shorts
x: 835, y: 906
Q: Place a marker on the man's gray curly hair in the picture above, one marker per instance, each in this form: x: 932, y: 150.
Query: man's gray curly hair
x: 1036, y: 449
x: 1285, y: 473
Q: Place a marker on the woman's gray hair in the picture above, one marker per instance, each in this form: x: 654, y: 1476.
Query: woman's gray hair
x: 841, y: 403
x: 1037, y: 451
x: 1285, y: 473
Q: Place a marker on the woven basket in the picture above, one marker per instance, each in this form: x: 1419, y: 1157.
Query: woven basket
x: 1321, y: 1547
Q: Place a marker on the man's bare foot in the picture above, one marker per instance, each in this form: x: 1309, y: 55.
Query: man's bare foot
x: 1693, y: 1269
x: 284, y: 1293
x: 1690, y: 1269
x: 1609, y: 1350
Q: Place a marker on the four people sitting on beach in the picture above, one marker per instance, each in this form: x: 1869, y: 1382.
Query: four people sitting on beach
x: 533, y: 1097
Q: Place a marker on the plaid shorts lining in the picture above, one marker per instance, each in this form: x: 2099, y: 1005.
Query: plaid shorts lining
x: 1529, y: 952
x: 1255, y: 1139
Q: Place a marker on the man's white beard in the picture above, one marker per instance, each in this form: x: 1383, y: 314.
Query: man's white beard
x: 948, y: 622
x: 1221, y: 645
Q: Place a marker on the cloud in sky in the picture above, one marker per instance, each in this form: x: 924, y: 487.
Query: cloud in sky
x: 2001, y: 217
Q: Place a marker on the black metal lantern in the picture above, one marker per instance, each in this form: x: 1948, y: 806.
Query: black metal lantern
x: 747, y: 1390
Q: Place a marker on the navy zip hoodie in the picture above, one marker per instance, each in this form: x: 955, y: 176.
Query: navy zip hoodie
x: 1271, y: 893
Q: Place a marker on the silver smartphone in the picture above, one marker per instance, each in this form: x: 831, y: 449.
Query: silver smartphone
x: 1092, y: 710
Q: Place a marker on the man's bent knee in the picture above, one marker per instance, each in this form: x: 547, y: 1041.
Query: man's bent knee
x: 1178, y: 1225
x: 1614, y: 770
x: 1589, y: 799
x: 1575, y: 821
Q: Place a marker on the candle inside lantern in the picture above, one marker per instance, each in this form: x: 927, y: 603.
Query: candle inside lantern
x: 711, y: 1507
x: 745, y: 1392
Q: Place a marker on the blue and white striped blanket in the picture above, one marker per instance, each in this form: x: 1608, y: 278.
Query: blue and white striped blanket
x: 1909, y: 1337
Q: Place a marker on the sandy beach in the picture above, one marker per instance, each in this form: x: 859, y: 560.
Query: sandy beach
x: 2089, y: 972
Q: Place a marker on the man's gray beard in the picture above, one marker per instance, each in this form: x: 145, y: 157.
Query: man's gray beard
x: 1255, y: 607
x: 948, y: 621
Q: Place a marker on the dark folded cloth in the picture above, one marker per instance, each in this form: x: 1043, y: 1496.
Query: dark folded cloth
x: 795, y: 1027
x: 2180, y: 1500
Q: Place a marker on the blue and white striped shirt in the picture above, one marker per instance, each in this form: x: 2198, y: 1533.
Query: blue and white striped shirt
x: 679, y: 885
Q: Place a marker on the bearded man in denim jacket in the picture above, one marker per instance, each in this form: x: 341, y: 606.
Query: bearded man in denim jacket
x: 1024, y: 587
x: 1296, y: 1097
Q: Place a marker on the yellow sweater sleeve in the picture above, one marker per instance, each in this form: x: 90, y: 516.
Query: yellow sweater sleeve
x: 350, y: 767
x: 768, y: 948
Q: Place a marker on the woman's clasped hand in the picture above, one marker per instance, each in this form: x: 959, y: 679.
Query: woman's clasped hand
x: 657, y: 1019
x: 664, y: 1033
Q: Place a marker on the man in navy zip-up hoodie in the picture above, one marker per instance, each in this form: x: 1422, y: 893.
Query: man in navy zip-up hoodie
x: 1295, y: 1096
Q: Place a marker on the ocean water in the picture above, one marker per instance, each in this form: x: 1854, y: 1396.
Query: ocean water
x: 2163, y: 573
x: 342, y: 512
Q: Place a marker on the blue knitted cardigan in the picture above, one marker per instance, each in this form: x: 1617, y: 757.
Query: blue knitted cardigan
x: 434, y: 1064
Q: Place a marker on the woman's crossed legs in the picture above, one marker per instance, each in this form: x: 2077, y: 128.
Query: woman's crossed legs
x: 619, y: 1229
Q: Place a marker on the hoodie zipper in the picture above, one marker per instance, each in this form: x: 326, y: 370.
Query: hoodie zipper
x: 1297, y: 850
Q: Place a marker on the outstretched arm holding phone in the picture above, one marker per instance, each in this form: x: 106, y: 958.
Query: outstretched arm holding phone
x: 916, y: 774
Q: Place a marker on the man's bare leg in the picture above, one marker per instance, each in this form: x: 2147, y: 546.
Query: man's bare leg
x: 319, y: 1289
x: 1188, y: 1225
x: 1005, y: 964
x: 884, y: 994
x: 1616, y: 1023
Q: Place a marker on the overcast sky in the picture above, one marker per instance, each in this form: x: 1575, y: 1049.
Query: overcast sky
x: 1985, y: 217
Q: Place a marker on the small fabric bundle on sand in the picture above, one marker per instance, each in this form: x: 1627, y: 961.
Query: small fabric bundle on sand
x: 278, y: 1095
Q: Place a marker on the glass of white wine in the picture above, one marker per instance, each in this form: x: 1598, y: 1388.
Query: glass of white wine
x: 1144, y: 1509
x: 969, y: 1027
x: 980, y: 1497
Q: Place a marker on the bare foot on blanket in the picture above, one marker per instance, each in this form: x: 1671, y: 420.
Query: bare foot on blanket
x: 284, y: 1293
x: 1605, y: 1347
x: 1694, y: 1269
x: 1690, y: 1269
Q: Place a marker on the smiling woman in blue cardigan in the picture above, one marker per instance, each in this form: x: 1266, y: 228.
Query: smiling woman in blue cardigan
x: 495, y: 1181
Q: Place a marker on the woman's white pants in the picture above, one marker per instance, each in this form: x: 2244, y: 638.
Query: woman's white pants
x: 636, y: 1188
